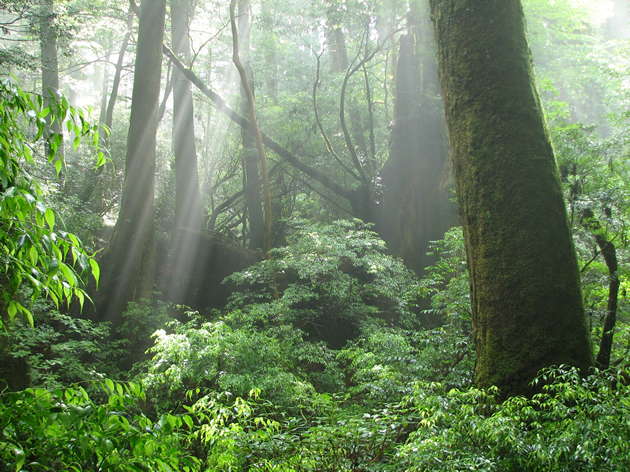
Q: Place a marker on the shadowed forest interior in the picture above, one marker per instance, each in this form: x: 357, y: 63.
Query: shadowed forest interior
x: 315, y: 235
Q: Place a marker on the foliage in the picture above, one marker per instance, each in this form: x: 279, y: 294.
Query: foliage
x: 595, y: 173
x: 331, y: 277
x: 330, y: 314
x: 214, y: 356
x: 285, y: 331
x: 66, y: 430
x: 58, y: 349
x: 573, y: 424
x: 248, y: 434
x: 32, y: 250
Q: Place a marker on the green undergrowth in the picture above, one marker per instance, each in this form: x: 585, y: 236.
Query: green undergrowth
x: 573, y: 424
x: 275, y: 383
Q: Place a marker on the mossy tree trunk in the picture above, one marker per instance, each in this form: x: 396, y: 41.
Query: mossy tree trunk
x: 129, y: 263
x: 525, y: 286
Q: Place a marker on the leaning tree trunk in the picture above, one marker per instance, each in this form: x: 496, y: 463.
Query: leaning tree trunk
x: 129, y: 264
x: 109, y: 112
x: 525, y: 286
x: 188, y: 211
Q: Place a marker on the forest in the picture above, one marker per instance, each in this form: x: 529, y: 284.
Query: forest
x: 314, y: 235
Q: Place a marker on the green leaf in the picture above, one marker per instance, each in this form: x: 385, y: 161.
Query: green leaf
x: 58, y: 166
x: 96, y: 271
x: 32, y: 255
x: 12, y: 310
x: 189, y: 422
x: 79, y: 294
x: 100, y: 160
x: 49, y: 216
x: 20, y: 457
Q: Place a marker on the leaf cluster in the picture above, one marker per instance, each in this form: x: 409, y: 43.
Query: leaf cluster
x: 68, y: 430
x: 33, y: 249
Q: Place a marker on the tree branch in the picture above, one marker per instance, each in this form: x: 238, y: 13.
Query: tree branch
x: 285, y: 154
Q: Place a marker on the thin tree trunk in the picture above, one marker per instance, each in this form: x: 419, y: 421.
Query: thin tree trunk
x: 109, y: 115
x: 252, y: 183
x: 526, y: 295
x: 105, y: 85
x: 609, y: 252
x: 50, y: 63
x: 129, y: 264
x: 188, y: 211
x: 259, y: 140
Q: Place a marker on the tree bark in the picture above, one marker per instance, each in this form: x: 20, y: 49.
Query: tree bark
x: 525, y: 287
x: 252, y: 183
x: 609, y: 252
x: 416, y: 177
x: 129, y: 264
x: 256, y: 131
x: 50, y: 63
x: 109, y: 114
x: 188, y: 211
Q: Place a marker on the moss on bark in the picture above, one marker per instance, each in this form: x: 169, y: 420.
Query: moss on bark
x: 525, y: 287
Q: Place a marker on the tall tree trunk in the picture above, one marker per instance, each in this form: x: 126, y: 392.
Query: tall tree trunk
x: 50, y: 63
x: 253, y: 120
x: 416, y: 177
x: 129, y: 264
x: 185, y: 245
x: 104, y: 86
x: 188, y: 211
x: 525, y: 285
x: 253, y: 199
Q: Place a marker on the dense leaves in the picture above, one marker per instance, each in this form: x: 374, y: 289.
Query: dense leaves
x: 330, y: 355
x: 33, y: 247
x: 67, y: 430
x: 573, y: 424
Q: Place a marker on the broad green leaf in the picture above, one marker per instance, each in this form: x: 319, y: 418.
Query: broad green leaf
x: 50, y: 218
x: 100, y: 160
x: 79, y: 294
x: 12, y: 310
x: 96, y: 271
x: 20, y: 457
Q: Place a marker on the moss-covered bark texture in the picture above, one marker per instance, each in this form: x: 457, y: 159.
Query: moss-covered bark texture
x: 525, y: 288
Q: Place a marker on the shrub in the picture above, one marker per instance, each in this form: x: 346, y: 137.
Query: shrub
x: 66, y: 430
